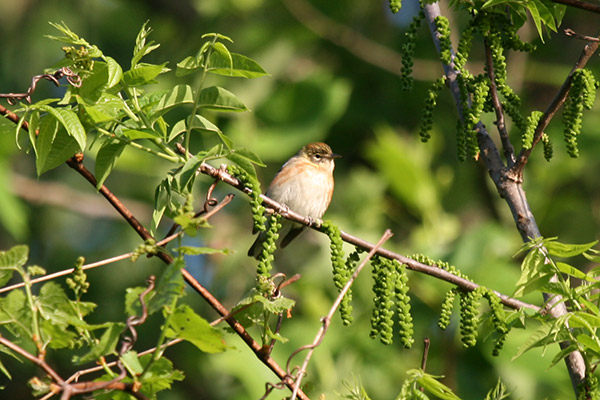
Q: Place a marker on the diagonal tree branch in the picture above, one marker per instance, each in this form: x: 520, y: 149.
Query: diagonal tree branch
x: 509, y: 186
x: 584, y: 5
x: 554, y: 106
x: 76, y: 162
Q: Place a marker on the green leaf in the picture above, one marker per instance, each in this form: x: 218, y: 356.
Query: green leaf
x: 55, y: 146
x: 218, y: 99
x: 54, y: 305
x: 436, y: 388
x: 187, y: 66
x: 115, y: 72
x: 249, y: 155
x: 236, y: 65
x: 69, y: 120
x: 180, y: 94
x: 196, y: 251
x: 133, y: 308
x: 186, y: 324
x: 135, y: 134
x: 187, y: 175
x: 132, y: 363
x: 198, y: 123
x: 15, y: 257
x: 572, y: 271
x: 10, y: 261
x: 169, y: 286
x: 589, y: 343
x: 562, y: 354
x: 162, y: 197
x: 141, y: 47
x: 534, y: 273
x: 143, y: 74
x: 160, y: 375
x: 243, y: 163
x: 541, y: 337
x: 108, y: 343
x: 106, y: 159
x: 565, y: 250
x: 107, y: 108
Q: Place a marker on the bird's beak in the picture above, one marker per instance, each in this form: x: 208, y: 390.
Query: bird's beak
x: 333, y: 155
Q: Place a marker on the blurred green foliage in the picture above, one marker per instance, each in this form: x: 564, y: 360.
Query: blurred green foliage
x: 317, y: 90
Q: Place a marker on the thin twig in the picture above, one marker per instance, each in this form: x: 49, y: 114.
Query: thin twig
x: 570, y: 32
x: 327, y: 319
x: 509, y: 150
x: 35, y: 360
x: 554, y: 106
x: 580, y: 4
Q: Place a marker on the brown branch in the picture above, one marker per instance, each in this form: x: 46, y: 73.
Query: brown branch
x: 580, y: 4
x: 434, y: 271
x: 76, y: 163
x: 571, y: 33
x: 509, y: 150
x: 554, y: 106
x: 35, y: 360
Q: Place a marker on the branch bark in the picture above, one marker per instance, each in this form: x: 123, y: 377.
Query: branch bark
x: 509, y: 186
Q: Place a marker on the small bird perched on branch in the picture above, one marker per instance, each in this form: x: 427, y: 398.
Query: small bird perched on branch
x: 305, y: 185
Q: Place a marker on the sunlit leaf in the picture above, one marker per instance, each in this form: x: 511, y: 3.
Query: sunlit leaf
x: 219, y: 99
x: 186, y: 324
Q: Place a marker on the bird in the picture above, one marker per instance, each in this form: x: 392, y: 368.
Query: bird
x: 304, y: 184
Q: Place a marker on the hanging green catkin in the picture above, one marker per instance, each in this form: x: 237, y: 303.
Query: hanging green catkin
x: 265, y: 258
x: 581, y: 96
x: 382, y: 323
x: 469, y: 322
x: 548, y: 150
x: 442, y: 26
x: 498, y: 319
x: 446, y: 309
x: 532, y: 123
x: 341, y: 274
x: 403, y: 304
x: 430, y: 103
x: 407, y: 51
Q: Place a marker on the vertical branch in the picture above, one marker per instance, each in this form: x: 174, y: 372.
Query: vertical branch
x: 509, y: 186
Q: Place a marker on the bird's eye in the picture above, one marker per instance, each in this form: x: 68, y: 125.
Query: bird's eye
x: 318, y: 156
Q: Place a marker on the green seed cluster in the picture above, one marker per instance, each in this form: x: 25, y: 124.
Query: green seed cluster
x: 78, y: 282
x: 405, y: 320
x: 430, y: 103
x: 395, y: 5
x: 148, y: 247
x: 469, y: 321
x: 532, y: 123
x: 588, y: 389
x: 498, y: 318
x: 382, y: 323
x: 258, y: 210
x: 390, y: 289
x: 547, y: 144
x: 446, y: 310
x: 581, y: 96
x: 407, y: 50
x: 442, y: 26
x: 342, y: 270
x: 265, y: 258
x: 464, y: 48
x: 480, y: 89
